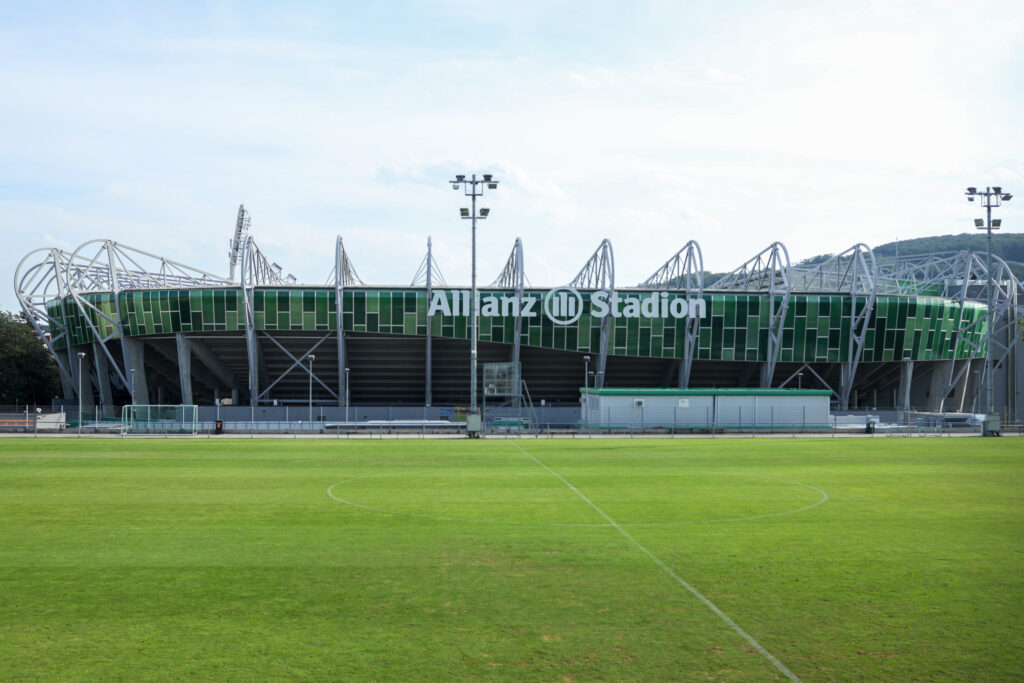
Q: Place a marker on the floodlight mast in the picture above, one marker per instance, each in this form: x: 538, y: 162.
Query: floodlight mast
x: 473, y: 188
x: 992, y: 197
x: 80, y: 357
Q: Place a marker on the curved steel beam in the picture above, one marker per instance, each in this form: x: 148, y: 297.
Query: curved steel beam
x: 513, y: 276
x: 599, y: 273
x: 37, y: 283
x: 767, y: 272
x: 343, y: 269
x: 853, y: 272
x: 683, y: 272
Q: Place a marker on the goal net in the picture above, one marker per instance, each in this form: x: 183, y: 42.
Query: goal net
x: 155, y: 419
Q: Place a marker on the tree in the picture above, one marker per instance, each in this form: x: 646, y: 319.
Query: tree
x: 28, y: 373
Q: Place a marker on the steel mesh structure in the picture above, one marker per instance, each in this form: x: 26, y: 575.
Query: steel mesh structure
x: 905, y: 333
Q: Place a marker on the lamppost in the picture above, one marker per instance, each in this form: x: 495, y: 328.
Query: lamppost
x: 586, y: 387
x: 473, y: 188
x: 992, y: 197
x: 132, y: 371
x: 311, y: 358
x: 80, y: 357
x: 347, y: 395
x: 800, y: 380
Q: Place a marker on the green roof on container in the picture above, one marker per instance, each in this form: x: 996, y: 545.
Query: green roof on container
x: 708, y: 392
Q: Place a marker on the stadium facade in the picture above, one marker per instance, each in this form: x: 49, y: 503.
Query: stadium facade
x: 898, y: 333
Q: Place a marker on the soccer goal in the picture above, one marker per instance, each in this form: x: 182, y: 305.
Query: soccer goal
x: 154, y: 419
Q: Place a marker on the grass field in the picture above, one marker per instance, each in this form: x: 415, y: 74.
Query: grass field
x: 552, y: 560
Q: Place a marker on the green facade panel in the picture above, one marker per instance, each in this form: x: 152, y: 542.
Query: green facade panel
x: 816, y: 327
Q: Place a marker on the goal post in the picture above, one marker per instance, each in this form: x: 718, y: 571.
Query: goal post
x: 160, y: 419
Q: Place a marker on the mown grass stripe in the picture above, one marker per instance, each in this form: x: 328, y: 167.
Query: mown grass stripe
x: 725, y: 617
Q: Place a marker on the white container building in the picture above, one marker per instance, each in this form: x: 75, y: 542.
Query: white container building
x: 763, y: 409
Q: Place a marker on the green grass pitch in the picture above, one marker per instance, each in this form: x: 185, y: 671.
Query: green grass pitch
x: 550, y: 560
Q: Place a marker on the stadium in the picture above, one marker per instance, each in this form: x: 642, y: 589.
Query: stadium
x: 128, y: 326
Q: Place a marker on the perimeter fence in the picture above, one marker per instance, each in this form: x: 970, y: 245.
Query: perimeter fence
x: 367, y: 423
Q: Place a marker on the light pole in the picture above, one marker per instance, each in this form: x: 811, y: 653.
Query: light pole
x: 132, y: 371
x: 991, y: 198
x: 473, y: 188
x: 311, y: 358
x: 585, y: 403
x: 800, y: 380
x: 347, y: 395
x: 80, y: 357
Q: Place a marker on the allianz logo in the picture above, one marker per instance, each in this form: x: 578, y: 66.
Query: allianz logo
x: 564, y: 305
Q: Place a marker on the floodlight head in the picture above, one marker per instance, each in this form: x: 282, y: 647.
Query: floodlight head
x: 1007, y: 197
x: 464, y: 213
x: 997, y: 189
x: 484, y: 212
x: 979, y: 223
x: 460, y: 178
x: 972, y: 190
x: 586, y: 358
x: 997, y: 222
x: 81, y: 355
x: 487, y: 177
x: 970, y: 199
x: 492, y: 186
x: 455, y: 186
x: 311, y: 357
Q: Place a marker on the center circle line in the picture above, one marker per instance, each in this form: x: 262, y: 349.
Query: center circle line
x: 446, y: 518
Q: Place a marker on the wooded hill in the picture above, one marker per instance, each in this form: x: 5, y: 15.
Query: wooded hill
x: 1009, y: 247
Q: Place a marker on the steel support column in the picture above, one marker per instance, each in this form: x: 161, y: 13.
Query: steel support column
x: 103, y: 379
x: 599, y: 273
x: 429, y: 370
x: 339, y: 316
x: 184, y: 368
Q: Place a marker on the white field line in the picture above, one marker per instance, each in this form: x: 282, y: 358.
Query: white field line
x: 442, y: 518
x: 330, y: 492
x: 735, y: 627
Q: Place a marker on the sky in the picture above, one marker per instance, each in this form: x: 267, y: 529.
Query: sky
x: 650, y: 123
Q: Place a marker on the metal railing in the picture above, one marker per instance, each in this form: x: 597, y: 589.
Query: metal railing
x: 869, y: 423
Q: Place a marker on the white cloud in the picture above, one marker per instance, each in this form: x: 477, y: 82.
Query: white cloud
x: 815, y: 124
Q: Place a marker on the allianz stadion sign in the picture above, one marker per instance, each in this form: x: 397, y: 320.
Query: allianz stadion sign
x: 565, y: 305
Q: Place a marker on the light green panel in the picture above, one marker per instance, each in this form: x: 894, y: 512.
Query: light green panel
x: 816, y: 327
